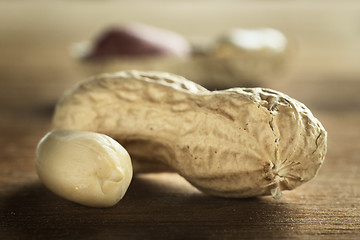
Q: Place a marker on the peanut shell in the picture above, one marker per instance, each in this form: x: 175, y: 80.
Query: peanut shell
x: 240, y: 142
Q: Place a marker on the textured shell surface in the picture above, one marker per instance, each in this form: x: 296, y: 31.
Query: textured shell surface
x: 239, y: 142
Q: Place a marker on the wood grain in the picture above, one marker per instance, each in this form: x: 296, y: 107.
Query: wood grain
x: 164, y: 206
x: 35, y: 68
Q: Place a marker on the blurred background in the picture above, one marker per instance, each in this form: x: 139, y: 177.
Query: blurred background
x: 324, y: 40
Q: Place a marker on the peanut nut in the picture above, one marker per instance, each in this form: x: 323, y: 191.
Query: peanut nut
x: 84, y: 167
x: 136, y: 40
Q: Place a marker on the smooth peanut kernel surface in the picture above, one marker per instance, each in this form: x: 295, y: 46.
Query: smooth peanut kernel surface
x: 85, y: 167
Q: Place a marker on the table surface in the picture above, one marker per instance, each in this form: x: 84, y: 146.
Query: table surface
x: 35, y: 69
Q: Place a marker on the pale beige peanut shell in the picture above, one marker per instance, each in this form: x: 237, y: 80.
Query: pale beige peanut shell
x: 239, y: 142
x: 84, y: 167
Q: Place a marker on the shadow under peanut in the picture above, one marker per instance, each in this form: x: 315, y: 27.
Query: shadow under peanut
x: 163, y: 207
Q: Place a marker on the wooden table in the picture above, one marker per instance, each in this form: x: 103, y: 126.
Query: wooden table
x: 35, y: 69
